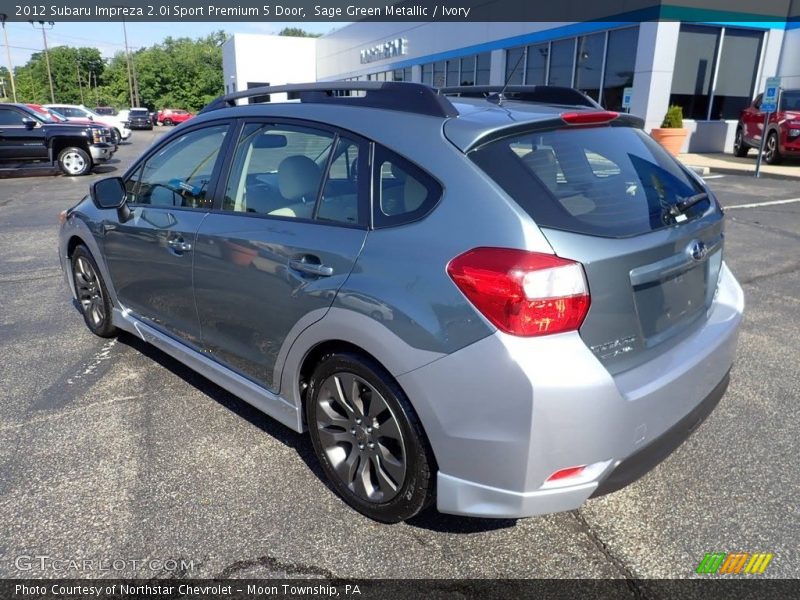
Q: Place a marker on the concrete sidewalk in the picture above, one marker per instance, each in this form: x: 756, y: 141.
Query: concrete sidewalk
x: 709, y: 164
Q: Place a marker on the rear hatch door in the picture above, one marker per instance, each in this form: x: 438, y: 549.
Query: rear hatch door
x: 648, y: 233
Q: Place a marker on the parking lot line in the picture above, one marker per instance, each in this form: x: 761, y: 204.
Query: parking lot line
x: 760, y: 204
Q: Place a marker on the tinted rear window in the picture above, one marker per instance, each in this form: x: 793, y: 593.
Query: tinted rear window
x: 607, y: 181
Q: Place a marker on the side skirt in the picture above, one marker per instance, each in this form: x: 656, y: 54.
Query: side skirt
x: 270, y: 404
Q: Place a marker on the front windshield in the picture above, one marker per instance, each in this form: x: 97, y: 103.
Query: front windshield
x: 790, y: 100
x: 57, y: 116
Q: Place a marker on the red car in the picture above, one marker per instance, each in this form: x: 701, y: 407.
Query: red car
x: 173, y: 116
x: 783, y: 129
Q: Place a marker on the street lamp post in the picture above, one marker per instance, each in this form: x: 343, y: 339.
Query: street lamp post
x: 3, y: 18
x: 43, y: 25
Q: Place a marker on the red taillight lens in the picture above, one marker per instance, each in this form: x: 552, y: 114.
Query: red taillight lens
x: 565, y: 473
x: 589, y: 117
x: 523, y: 293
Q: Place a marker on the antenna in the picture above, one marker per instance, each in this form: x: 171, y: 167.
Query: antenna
x: 499, y: 96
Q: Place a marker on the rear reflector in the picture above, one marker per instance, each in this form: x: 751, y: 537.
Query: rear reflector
x: 566, y: 473
x: 523, y: 293
x: 589, y: 117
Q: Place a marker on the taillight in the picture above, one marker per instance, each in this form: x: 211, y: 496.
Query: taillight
x: 523, y: 293
x: 589, y: 117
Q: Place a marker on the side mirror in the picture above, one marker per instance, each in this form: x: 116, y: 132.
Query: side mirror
x: 111, y: 193
x: 29, y: 123
x: 91, y: 117
x: 108, y: 193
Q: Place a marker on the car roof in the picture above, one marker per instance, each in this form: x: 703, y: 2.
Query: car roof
x: 466, y: 114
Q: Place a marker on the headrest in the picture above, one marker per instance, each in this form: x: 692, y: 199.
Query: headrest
x: 298, y: 177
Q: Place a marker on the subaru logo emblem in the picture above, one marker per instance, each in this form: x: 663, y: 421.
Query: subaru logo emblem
x: 698, y: 250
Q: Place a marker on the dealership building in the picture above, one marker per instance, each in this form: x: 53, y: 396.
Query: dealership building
x: 711, y: 69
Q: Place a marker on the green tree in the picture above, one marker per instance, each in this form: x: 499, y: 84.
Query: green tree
x: 72, y: 70
x: 297, y: 32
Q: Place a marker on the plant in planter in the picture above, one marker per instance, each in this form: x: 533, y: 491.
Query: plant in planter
x: 671, y: 134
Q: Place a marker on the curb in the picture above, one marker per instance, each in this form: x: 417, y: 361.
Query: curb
x: 751, y: 174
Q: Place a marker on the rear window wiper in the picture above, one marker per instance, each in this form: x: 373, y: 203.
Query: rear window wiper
x: 684, y: 204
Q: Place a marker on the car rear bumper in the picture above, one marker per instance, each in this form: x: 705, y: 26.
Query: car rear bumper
x: 505, y: 413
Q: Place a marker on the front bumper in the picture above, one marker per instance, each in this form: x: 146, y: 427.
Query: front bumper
x: 505, y: 413
x: 125, y: 133
x: 101, y: 152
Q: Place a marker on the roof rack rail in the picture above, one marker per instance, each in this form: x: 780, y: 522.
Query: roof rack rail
x: 540, y: 94
x: 390, y: 95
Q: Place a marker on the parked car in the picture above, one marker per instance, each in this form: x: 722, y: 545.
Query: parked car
x: 139, y: 118
x: 56, y: 117
x: 505, y: 304
x: 119, y: 129
x: 105, y: 111
x: 783, y: 129
x: 173, y: 116
x: 30, y: 140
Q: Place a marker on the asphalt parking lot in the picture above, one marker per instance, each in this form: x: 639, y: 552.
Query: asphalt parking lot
x: 111, y: 450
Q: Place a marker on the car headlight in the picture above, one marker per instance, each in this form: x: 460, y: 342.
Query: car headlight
x: 794, y: 129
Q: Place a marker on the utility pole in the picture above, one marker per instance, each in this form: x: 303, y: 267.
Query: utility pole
x: 3, y: 18
x: 128, y: 61
x: 96, y: 96
x: 136, y: 99
x: 43, y: 25
x: 80, y: 86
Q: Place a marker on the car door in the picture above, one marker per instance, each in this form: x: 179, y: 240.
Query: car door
x: 19, y: 141
x: 753, y: 121
x: 292, y: 221
x: 149, y: 255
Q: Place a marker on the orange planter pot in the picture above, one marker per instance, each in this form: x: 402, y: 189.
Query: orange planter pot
x: 671, y: 139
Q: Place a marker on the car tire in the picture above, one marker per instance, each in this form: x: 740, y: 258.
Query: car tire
x: 772, y: 152
x: 168, y: 122
x: 740, y: 147
x: 92, y: 294
x: 74, y: 161
x: 368, y: 438
x: 116, y: 137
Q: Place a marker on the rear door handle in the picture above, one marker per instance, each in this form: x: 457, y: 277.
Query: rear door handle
x: 304, y: 266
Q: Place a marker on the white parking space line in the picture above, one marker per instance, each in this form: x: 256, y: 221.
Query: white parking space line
x: 713, y: 176
x: 760, y: 204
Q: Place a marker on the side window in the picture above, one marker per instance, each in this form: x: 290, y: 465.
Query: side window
x: 340, y: 196
x: 403, y: 192
x: 10, y: 117
x: 277, y: 170
x: 178, y: 174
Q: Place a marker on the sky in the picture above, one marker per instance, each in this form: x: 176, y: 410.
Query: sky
x: 24, y: 40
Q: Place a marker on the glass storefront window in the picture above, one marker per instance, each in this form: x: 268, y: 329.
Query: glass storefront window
x: 439, y: 73
x: 427, y: 74
x: 589, y: 63
x: 467, y: 71
x: 562, y: 56
x: 483, y: 67
x: 536, y: 64
x: 515, y: 66
x: 736, y: 77
x: 694, y: 69
x: 452, y: 72
x: 620, y: 62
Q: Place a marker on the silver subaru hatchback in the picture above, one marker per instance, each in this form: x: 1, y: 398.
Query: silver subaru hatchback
x: 501, y: 301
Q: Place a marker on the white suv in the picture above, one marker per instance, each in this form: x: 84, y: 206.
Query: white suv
x: 119, y: 128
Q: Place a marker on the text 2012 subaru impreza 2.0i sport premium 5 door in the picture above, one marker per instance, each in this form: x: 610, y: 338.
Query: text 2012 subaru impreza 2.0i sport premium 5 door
x: 501, y: 303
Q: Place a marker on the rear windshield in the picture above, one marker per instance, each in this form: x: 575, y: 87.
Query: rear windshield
x: 607, y: 181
